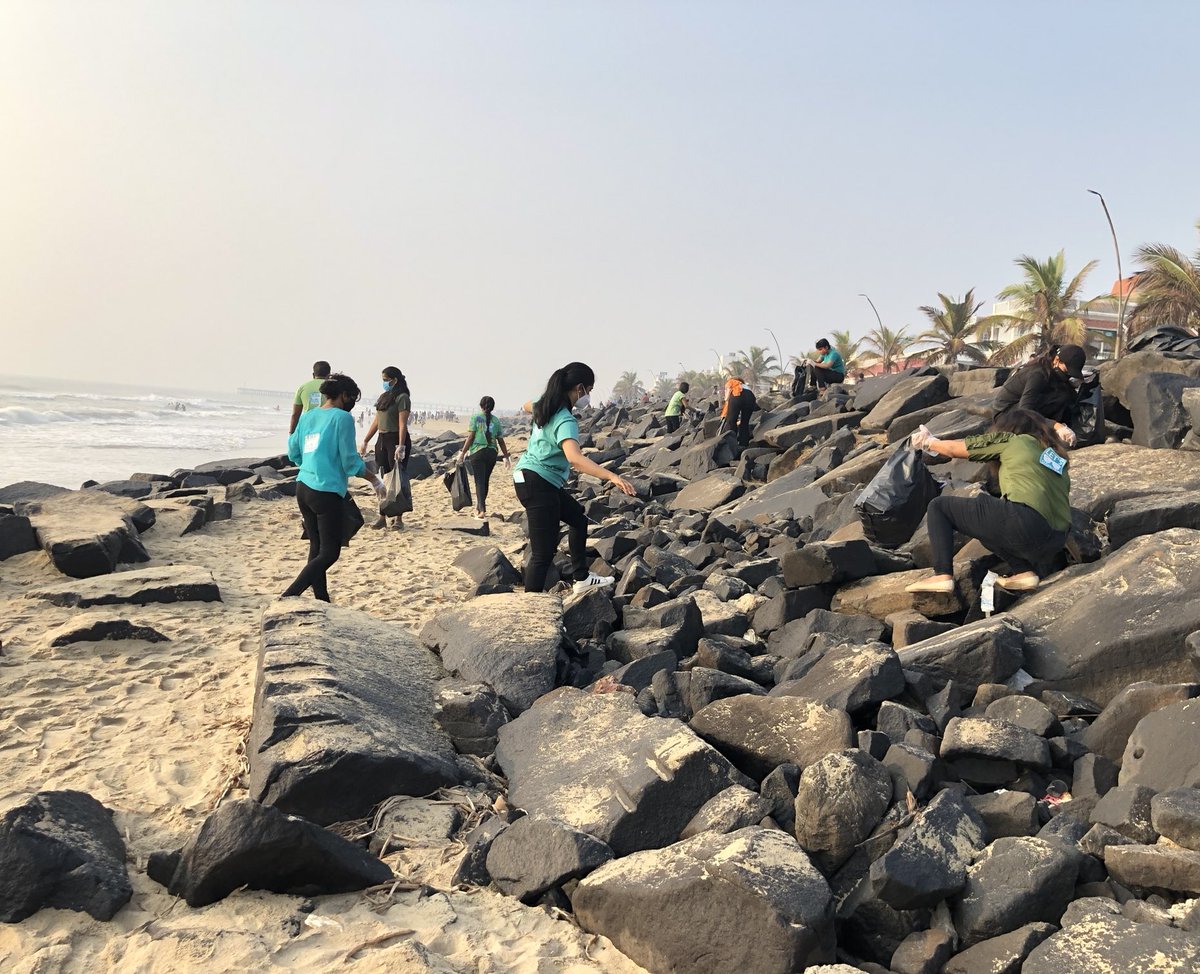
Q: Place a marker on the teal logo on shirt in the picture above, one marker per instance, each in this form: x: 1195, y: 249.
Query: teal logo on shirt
x: 1052, y: 461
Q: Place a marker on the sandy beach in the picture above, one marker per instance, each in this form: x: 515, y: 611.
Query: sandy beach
x: 155, y: 731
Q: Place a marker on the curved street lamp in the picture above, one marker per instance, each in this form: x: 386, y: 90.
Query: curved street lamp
x: 778, y: 352
x: 873, y: 308
x: 1119, y: 345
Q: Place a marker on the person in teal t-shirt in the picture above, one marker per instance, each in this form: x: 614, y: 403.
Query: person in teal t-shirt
x: 829, y: 369
x: 484, y: 434
x: 675, y: 408
x: 322, y: 444
x: 308, y: 396
x: 541, y: 476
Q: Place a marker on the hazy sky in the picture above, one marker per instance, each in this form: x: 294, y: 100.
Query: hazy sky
x: 214, y: 194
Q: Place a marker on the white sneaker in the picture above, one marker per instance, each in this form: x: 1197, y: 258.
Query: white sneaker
x: 593, y: 581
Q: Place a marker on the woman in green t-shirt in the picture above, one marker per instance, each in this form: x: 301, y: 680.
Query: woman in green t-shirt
x: 541, y: 476
x: 391, y: 421
x: 1028, y: 525
x: 479, y: 450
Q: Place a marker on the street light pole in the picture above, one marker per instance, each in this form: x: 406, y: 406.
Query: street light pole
x: 873, y: 308
x: 1120, y: 343
x: 778, y: 352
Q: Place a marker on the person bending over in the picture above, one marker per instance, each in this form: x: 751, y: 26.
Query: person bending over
x: 1043, y: 386
x: 675, y: 408
x: 1028, y: 524
x: 541, y: 474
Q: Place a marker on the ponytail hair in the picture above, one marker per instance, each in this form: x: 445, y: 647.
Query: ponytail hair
x: 399, y: 388
x: 561, y: 382
x: 487, y: 404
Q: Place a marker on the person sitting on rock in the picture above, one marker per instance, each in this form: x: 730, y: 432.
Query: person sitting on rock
x: 541, y: 475
x: 1043, y: 386
x: 829, y: 368
x: 675, y: 408
x: 1028, y: 524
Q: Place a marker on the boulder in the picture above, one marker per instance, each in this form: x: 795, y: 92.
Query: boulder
x: 994, y: 740
x: 1118, y: 374
x: 471, y: 716
x: 734, y: 808
x: 1126, y: 809
x: 708, y: 494
x: 987, y: 651
x: 708, y: 456
x: 849, y: 678
x: 584, y: 612
x: 512, y: 642
x: 1000, y: 955
x: 761, y: 733
x: 1109, y: 472
x: 1006, y: 813
x: 1175, y: 815
x: 1155, y: 402
x: 1016, y: 881
x: 1109, y: 733
x: 1159, y: 867
x: 145, y: 586
x: 1119, y: 621
x: 533, y: 856
x: 820, y: 563
x: 489, y: 569
x: 247, y: 844
x: 1114, y: 943
x: 61, y: 850
x: 29, y: 490
x: 16, y: 536
x: 750, y: 902
x: 1163, y: 751
x: 818, y: 428
x: 795, y: 638
x: 343, y: 714
x: 87, y: 533
x: 1150, y: 514
x: 93, y: 629
x: 596, y: 763
x: 907, y: 396
x: 883, y: 595
x: 840, y: 800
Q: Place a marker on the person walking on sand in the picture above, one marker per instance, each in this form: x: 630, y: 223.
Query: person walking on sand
x: 394, y: 445
x: 675, y: 408
x: 308, y: 396
x: 322, y: 444
x: 478, y: 451
x: 541, y: 476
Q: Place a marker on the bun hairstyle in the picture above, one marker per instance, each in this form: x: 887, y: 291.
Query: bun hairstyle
x: 399, y: 388
x: 487, y: 404
x: 337, y: 384
x: 561, y: 382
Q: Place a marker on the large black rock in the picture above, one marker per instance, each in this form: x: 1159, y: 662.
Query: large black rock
x: 16, y: 536
x: 1155, y: 401
x: 87, y: 533
x: 839, y: 801
x: 534, y: 855
x: 61, y: 850
x: 344, y: 714
x: 244, y: 843
x: 145, y: 586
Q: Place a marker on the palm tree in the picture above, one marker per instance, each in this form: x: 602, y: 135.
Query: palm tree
x: 664, y: 387
x: 1046, y: 308
x: 1168, y: 289
x: 955, y: 332
x: 755, y: 366
x: 850, y: 351
x: 629, y: 387
x: 887, y: 347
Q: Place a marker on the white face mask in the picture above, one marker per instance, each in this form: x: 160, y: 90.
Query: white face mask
x: 583, y: 401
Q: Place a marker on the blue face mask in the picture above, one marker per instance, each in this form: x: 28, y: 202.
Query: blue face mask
x: 387, y: 386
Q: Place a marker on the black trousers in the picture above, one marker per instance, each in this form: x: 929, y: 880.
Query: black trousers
x: 323, y: 514
x: 385, y: 451
x: 672, y: 423
x: 737, y: 416
x: 1015, y: 532
x: 548, y: 506
x: 821, y: 377
x: 481, y: 463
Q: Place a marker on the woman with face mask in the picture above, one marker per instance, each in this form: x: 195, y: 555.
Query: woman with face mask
x: 323, y: 446
x: 391, y: 421
x: 541, y: 476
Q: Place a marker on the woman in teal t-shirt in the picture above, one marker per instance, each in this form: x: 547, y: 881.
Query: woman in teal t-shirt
x: 479, y: 451
x: 541, y: 475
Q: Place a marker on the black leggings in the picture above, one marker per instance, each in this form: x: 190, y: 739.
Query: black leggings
x: 547, y: 506
x: 738, y: 411
x: 1015, y: 532
x: 481, y: 463
x: 323, y: 512
x: 672, y: 423
x: 820, y: 377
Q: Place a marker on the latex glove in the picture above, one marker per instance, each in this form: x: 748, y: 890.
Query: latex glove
x: 401, y: 453
x: 380, y: 489
x: 921, y: 438
x: 1065, y: 433
x: 508, y: 462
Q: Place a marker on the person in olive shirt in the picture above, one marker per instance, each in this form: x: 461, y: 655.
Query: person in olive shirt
x: 308, y: 396
x: 1027, y: 525
x: 675, y: 408
x: 479, y: 451
x: 391, y: 422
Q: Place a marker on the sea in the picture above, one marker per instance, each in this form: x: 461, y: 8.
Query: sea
x: 65, y: 433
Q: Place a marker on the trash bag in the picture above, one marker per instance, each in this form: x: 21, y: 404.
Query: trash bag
x: 892, y: 505
x: 1086, y: 417
x: 1171, y: 340
x: 352, y: 520
x: 799, y: 382
x: 460, y: 488
x: 398, y: 499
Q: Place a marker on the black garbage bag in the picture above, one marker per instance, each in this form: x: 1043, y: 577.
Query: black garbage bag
x: 352, y: 520
x: 892, y: 505
x: 1171, y: 340
x: 398, y: 499
x: 459, y: 486
x: 1086, y: 417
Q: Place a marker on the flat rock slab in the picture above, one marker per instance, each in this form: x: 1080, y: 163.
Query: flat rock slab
x: 750, y: 902
x: 987, y: 651
x: 1119, y: 621
x: 1154, y: 867
x: 1104, y: 944
x: 1109, y: 472
x: 247, y: 844
x: 708, y: 494
x: 168, y: 583
x: 1163, y: 752
x: 87, y: 533
x: 513, y: 642
x: 61, y: 850
x: 97, y: 630
x: 597, y: 764
x: 343, y: 714
x: 882, y: 595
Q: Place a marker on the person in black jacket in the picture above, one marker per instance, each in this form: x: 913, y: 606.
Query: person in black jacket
x: 1044, y: 387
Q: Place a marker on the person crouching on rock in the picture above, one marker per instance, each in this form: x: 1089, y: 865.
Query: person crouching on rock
x: 541, y: 476
x: 394, y: 445
x: 323, y: 446
x: 1028, y: 524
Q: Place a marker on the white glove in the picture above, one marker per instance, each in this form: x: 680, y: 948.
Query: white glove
x: 380, y: 489
x: 920, y: 439
x: 508, y: 462
x: 1065, y: 433
x: 401, y: 453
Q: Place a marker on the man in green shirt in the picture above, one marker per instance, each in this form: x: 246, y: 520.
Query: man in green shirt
x: 308, y: 396
x: 675, y: 408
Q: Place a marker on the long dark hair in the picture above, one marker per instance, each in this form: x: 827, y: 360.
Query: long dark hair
x: 487, y: 404
x: 1024, y: 421
x: 338, y: 383
x: 561, y: 382
x: 399, y: 388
